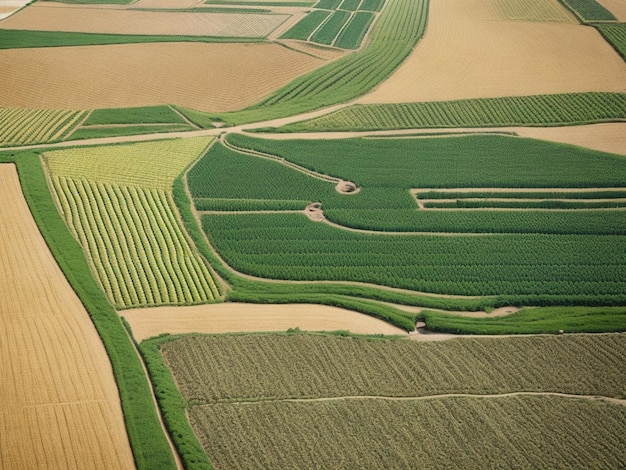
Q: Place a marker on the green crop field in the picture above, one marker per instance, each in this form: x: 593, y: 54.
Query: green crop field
x: 354, y: 32
x: 342, y: 392
x: 307, y: 25
x: 330, y: 29
x: 588, y: 10
x: 542, y: 110
x: 615, y: 34
x: 117, y: 201
x: 33, y: 126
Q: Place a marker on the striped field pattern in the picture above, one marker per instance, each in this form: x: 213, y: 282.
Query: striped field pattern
x: 19, y: 126
x: 117, y: 200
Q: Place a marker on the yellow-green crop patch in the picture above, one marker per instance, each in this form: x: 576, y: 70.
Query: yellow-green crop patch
x: 19, y: 126
x: 146, y: 164
x: 117, y: 201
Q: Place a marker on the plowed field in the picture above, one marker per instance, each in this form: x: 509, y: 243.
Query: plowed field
x: 233, y: 318
x: 116, y: 21
x: 617, y: 7
x: 60, y: 406
x: 208, y: 77
x: 467, y: 52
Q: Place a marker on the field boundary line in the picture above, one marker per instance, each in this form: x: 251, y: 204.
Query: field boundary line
x: 620, y: 401
x: 183, y: 117
x: 281, y: 160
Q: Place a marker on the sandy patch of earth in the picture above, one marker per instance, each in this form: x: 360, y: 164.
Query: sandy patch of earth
x: 467, y: 53
x: 60, y: 405
x: 117, y: 21
x: 236, y: 317
x: 167, y: 3
x: 207, y: 77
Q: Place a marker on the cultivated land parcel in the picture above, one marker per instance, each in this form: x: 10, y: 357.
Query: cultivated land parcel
x: 275, y: 224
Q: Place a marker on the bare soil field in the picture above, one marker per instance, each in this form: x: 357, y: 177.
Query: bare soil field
x: 207, y: 77
x: 604, y: 137
x: 117, y: 21
x: 60, y: 406
x: 617, y: 7
x: 167, y: 3
x: 9, y: 6
x: 236, y: 318
x: 467, y: 52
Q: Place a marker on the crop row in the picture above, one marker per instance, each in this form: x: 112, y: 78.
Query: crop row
x: 539, y: 110
x: 588, y: 10
x: 556, y: 204
x: 565, y: 222
x: 504, y: 193
x: 615, y: 34
x: 351, y: 5
x: 291, y: 247
x: 134, y: 241
x: 225, y: 204
x: 31, y: 126
x: 513, y: 432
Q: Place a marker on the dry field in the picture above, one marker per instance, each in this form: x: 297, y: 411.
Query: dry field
x: 207, y: 77
x: 467, y: 52
x: 617, y: 7
x: 604, y: 137
x: 116, y: 21
x: 235, y: 318
x: 167, y: 3
x: 60, y: 406
x: 9, y: 6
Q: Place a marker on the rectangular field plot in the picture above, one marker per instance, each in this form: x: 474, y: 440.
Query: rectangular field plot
x: 161, y: 23
x: 354, y: 32
x: 529, y: 199
x: 350, y: 5
x: 324, y: 399
x: 327, y: 33
x: 303, y: 29
x: 372, y: 5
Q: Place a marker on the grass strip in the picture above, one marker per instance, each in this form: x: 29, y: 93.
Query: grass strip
x: 532, y: 320
x: 173, y: 406
x: 17, y: 39
x: 150, y: 447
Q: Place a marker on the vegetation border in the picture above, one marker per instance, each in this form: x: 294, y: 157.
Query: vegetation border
x: 150, y: 447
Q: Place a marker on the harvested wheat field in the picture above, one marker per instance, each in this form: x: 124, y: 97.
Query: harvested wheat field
x: 468, y: 52
x: 60, y: 406
x: 116, y: 21
x: 207, y: 77
x: 235, y: 318
x: 604, y: 137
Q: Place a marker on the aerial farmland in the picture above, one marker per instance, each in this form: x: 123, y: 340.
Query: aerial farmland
x: 313, y: 234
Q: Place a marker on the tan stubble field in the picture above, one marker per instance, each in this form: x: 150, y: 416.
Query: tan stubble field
x: 206, y: 77
x: 469, y: 51
x: 60, y: 406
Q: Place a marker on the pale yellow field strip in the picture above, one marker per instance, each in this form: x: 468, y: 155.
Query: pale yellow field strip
x: 236, y: 318
x: 207, y: 77
x: 114, y: 21
x: 167, y: 3
x: 617, y: 7
x: 60, y: 406
x: 468, y: 53
x: 7, y: 7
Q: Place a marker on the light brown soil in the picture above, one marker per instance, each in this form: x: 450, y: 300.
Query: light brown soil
x: 235, y: 317
x: 116, y: 21
x: 326, y: 53
x: 617, y: 7
x: 167, y: 3
x: 60, y: 406
x: 467, y: 53
x: 605, y: 137
x: 208, y: 77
